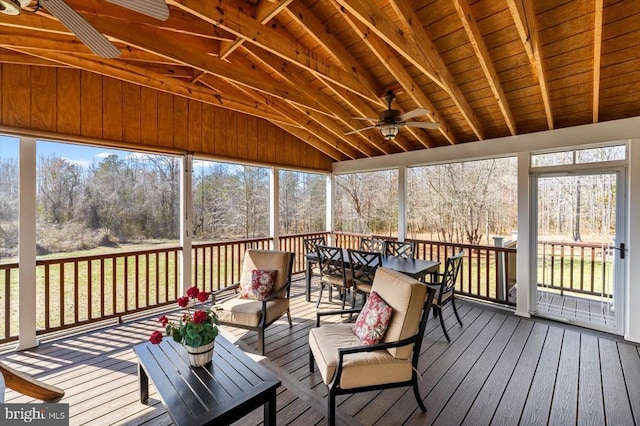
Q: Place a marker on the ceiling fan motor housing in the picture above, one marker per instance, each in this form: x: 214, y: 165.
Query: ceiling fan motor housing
x: 389, y: 116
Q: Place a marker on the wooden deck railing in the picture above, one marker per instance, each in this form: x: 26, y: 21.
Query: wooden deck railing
x: 477, y: 277
x: 80, y: 290
x: 582, y: 268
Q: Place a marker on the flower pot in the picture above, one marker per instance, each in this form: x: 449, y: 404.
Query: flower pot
x: 200, y: 355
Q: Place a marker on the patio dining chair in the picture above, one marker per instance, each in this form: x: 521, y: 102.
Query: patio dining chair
x: 404, y: 249
x: 445, y: 283
x: 262, y: 303
x: 372, y: 244
x: 363, y: 269
x: 333, y: 272
x: 310, y: 247
x: 349, y: 363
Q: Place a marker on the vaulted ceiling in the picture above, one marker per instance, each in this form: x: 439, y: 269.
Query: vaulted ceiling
x: 484, y: 69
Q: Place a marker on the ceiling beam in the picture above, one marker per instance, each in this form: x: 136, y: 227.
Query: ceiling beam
x: 415, y: 46
x: 482, y: 53
x: 265, y: 11
x: 167, y: 45
x: 333, y: 46
x: 387, y: 57
x: 227, y: 14
x: 331, y: 124
x: 524, y: 17
x: 597, y: 53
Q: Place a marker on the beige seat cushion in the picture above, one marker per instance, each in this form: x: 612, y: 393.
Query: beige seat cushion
x: 406, y: 296
x: 248, y: 312
x: 362, y: 369
x: 337, y: 281
x: 269, y: 260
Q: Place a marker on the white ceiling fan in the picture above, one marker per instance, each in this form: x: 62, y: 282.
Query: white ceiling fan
x: 392, y: 120
x: 91, y: 37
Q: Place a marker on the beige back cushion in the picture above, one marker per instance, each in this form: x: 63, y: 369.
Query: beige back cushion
x: 267, y: 260
x: 406, y: 296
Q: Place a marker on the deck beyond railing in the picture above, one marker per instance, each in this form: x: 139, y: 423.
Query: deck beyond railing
x: 80, y: 290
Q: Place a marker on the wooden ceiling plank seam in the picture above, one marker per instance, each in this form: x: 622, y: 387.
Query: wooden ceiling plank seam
x: 114, y: 69
x: 333, y: 46
x: 265, y: 11
x: 597, y: 55
x: 387, y: 57
x: 482, y: 53
x: 525, y: 19
x: 231, y: 19
x: 417, y: 48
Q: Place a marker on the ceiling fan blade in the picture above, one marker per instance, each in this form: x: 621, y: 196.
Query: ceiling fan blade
x: 414, y: 113
x: 155, y: 8
x: 365, y: 118
x: 87, y: 34
x: 359, y: 130
x: 422, y: 124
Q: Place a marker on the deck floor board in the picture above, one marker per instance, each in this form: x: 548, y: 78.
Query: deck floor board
x: 498, y: 368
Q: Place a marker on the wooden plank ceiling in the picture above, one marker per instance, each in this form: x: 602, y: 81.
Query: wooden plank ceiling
x: 485, y: 69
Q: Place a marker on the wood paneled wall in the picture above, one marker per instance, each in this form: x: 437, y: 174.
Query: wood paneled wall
x: 73, y: 102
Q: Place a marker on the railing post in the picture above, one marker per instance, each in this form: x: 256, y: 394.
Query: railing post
x: 501, y: 282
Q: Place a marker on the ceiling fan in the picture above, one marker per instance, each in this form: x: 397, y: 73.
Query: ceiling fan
x: 91, y: 37
x: 391, y: 120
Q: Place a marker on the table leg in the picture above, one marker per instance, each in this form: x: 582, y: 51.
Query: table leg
x: 308, y: 283
x: 144, y: 384
x: 270, y: 409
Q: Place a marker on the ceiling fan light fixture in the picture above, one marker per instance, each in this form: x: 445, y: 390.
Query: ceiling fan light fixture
x: 10, y: 7
x: 389, y: 130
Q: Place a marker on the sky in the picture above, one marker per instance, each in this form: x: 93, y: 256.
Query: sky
x: 79, y: 154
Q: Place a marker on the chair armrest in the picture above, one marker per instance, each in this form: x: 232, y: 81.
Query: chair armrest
x: 216, y: 293
x: 376, y: 347
x: 274, y: 295
x: 337, y: 312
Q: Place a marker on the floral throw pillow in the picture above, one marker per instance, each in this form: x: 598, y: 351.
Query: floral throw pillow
x: 259, y: 288
x: 373, y: 320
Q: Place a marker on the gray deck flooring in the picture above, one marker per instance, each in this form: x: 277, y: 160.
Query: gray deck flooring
x: 498, y: 369
x: 579, y: 310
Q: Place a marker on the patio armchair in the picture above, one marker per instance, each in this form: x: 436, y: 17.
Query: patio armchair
x: 401, y: 249
x: 372, y: 244
x: 363, y: 269
x: 256, y: 312
x: 333, y: 272
x: 347, y: 365
x: 445, y: 285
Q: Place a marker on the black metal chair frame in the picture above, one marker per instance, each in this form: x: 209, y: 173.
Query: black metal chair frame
x: 405, y: 249
x: 263, y: 324
x: 372, y: 244
x: 332, y: 264
x: 310, y: 247
x: 416, y: 340
x: 446, y: 283
x: 363, y: 268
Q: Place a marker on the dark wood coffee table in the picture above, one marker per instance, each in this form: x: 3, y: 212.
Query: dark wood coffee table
x: 221, y: 392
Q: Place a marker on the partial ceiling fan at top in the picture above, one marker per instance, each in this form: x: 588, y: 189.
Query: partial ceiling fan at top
x: 392, y: 120
x: 87, y: 34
